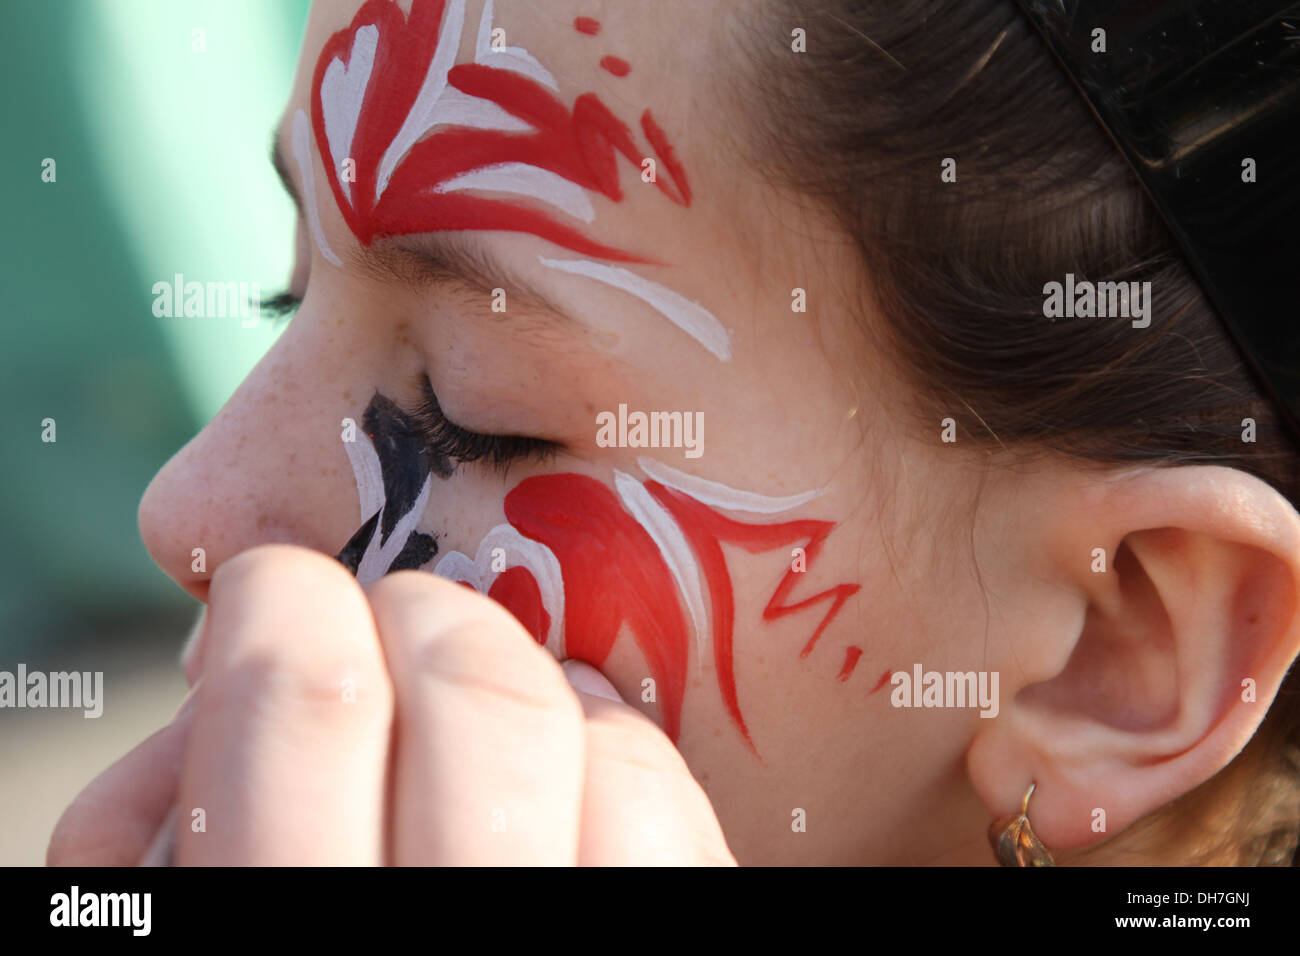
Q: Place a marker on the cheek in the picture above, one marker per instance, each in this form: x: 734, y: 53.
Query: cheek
x: 581, y: 565
x: 647, y: 561
x: 577, y: 570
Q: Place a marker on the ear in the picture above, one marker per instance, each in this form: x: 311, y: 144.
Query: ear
x: 1139, y: 682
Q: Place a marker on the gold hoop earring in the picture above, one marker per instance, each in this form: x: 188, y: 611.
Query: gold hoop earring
x: 1013, y: 839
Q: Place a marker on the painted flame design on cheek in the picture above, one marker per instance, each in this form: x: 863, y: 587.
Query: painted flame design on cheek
x: 707, y: 529
x: 613, y: 574
x: 576, y: 562
x: 617, y: 571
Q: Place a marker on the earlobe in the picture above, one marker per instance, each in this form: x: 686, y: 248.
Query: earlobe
x: 1173, y: 653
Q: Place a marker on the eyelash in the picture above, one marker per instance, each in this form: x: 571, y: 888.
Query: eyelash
x: 281, y: 305
x: 444, y: 437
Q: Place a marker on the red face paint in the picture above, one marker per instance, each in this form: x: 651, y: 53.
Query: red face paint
x: 581, y: 144
x: 615, y: 577
x: 616, y: 65
x: 706, y: 530
x: 516, y: 590
x: 587, y: 25
x: 851, y: 656
x: 664, y: 150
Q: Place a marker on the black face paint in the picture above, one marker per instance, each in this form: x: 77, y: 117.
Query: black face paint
x: 350, y: 556
x: 419, y: 548
x: 403, y: 459
x: 404, y: 463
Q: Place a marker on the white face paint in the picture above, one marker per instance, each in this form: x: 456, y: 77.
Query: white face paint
x: 524, y: 179
x: 677, y: 554
x: 722, y: 496
x: 514, y: 58
x: 306, y: 174
x: 520, y: 552
x: 378, y: 557
x: 691, y: 317
x: 342, y: 91
x: 438, y: 104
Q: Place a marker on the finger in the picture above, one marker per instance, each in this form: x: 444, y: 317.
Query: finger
x: 641, y: 805
x: 287, y: 759
x: 488, y: 757
x: 113, y: 820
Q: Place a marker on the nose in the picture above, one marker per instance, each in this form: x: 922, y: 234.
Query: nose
x: 270, y: 467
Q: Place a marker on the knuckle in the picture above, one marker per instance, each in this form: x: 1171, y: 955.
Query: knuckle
x: 291, y: 625
x: 499, y: 676
x: 459, y: 657
x: 291, y: 566
x: 437, y: 599
x: 319, y: 679
x: 437, y: 631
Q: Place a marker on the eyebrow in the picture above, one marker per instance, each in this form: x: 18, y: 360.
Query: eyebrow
x: 432, y: 258
x: 424, y: 259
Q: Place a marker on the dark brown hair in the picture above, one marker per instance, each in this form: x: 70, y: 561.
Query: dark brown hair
x: 861, y: 121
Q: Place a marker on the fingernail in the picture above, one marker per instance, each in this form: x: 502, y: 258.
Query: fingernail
x: 587, y: 680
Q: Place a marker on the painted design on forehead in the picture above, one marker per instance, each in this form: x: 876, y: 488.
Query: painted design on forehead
x: 616, y: 65
x: 426, y: 137
x: 384, y: 86
x: 393, y: 471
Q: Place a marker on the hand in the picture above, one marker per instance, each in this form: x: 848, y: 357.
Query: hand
x: 415, y: 722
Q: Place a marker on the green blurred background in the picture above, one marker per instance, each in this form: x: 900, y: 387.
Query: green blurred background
x: 158, y: 115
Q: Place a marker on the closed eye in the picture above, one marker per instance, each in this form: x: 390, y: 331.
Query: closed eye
x: 445, y: 438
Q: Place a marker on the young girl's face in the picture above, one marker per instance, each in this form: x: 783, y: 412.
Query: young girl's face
x: 537, y: 222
